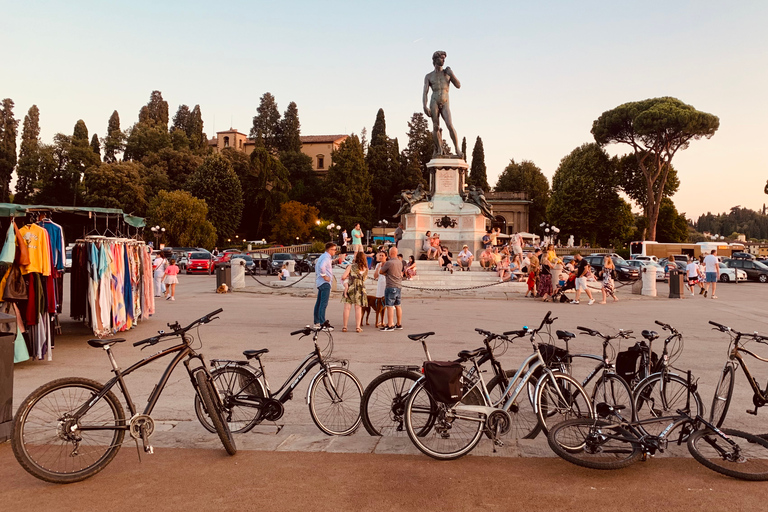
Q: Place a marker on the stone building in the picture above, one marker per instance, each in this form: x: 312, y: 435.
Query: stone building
x: 317, y: 147
x: 510, y: 210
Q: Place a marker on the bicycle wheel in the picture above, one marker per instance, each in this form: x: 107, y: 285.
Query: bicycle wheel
x: 614, y: 391
x: 747, y: 460
x: 560, y: 397
x: 334, y: 401
x: 215, y: 411
x: 449, y: 435
x: 525, y: 423
x: 52, y: 439
x: 384, y: 402
x: 233, y: 382
x: 657, y: 398
x: 722, y: 398
x: 594, y: 444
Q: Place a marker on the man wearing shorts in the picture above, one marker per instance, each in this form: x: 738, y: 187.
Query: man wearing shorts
x: 393, y: 271
x: 581, y: 279
x: 357, y: 239
x: 517, y: 243
x: 712, y: 273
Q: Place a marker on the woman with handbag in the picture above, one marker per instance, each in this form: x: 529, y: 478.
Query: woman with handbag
x: 607, y: 274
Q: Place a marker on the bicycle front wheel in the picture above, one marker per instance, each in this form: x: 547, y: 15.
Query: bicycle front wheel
x: 747, y: 459
x: 334, y: 401
x: 594, y: 444
x: 660, y: 396
x: 722, y: 398
x: 614, y: 391
x: 61, y: 437
x: 383, y: 403
x: 437, y: 429
x: 560, y: 397
x: 233, y: 383
x: 215, y: 410
x: 525, y: 423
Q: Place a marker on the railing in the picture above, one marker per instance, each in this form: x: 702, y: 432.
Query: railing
x: 293, y: 249
x: 584, y: 251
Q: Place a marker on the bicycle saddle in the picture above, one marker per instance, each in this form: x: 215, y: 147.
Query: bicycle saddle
x: 469, y: 354
x: 103, y: 343
x: 250, y: 354
x: 565, y: 335
x: 650, y: 335
x: 420, y: 336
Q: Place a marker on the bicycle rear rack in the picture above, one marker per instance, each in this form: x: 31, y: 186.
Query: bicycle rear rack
x: 398, y: 367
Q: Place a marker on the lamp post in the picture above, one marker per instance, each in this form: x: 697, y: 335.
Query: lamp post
x: 157, y: 231
x: 329, y: 227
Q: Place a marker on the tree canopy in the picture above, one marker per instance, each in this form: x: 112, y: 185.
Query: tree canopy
x: 8, y: 132
x: 295, y: 221
x: 266, y: 123
x: 656, y: 129
x: 184, y: 218
x: 29, y: 157
x: 347, y: 188
x: 215, y: 182
x: 116, y: 185
x: 527, y: 177
x: 478, y: 176
x: 114, y: 142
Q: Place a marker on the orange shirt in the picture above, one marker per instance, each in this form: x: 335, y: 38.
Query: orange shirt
x: 39, y: 247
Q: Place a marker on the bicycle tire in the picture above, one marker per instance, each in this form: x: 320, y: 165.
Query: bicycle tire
x: 383, y: 405
x: 344, y: 399
x: 583, y: 442
x: 553, y: 406
x: 722, y: 398
x: 525, y: 423
x: 439, y: 441
x: 649, y: 403
x: 709, y: 449
x: 230, y: 382
x: 213, y: 407
x: 614, y: 391
x: 51, y: 400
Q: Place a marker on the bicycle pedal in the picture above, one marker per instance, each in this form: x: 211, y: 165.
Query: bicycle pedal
x: 753, y: 412
x: 497, y: 442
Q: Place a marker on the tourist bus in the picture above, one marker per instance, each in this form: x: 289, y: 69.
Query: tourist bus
x: 663, y: 250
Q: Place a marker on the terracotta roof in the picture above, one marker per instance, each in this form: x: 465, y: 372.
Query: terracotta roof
x: 213, y: 141
x: 315, y: 139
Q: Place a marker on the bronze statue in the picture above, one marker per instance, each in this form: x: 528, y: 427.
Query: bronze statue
x: 440, y: 80
x: 408, y: 198
x: 476, y: 196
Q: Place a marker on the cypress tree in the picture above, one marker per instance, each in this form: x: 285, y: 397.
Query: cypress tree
x: 347, y: 196
x: 198, y: 142
x: 477, y: 172
x: 114, y: 142
x: 95, y: 146
x: 8, y: 129
x: 290, y: 129
x: 266, y: 123
x: 29, y: 156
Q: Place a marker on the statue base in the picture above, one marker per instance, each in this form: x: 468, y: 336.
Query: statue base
x: 458, y: 223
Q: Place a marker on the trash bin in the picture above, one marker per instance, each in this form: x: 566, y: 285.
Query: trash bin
x: 6, y: 376
x: 676, y: 285
x: 224, y: 275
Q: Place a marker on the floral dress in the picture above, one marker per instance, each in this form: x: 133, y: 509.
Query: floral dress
x: 608, y: 282
x: 356, y: 293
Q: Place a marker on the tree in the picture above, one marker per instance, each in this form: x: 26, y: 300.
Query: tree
x: 632, y: 180
x: 190, y: 123
x: 527, y: 177
x: 305, y: 185
x: 198, y: 141
x: 114, y: 142
x: 672, y: 227
x: 266, y: 123
x: 656, y: 129
x: 290, y: 130
x: 178, y: 166
x: 295, y: 221
x: 116, y: 185
x: 184, y: 219
x: 29, y: 156
x: 181, y: 118
x: 96, y: 146
x: 347, y: 196
x: 477, y: 172
x: 55, y: 184
x: 265, y: 188
x: 8, y: 130
x: 383, y: 164
x: 155, y: 112
x: 150, y: 134
x: 585, y: 202
x: 419, y: 149
x: 215, y: 182
x: 80, y: 157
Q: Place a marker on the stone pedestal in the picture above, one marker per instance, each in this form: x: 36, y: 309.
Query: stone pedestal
x: 457, y: 222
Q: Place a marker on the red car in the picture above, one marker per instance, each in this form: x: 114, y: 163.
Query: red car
x: 200, y: 263
x: 225, y: 257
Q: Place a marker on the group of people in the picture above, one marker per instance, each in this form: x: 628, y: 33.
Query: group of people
x: 704, y: 271
x: 165, y: 271
x: 388, y: 273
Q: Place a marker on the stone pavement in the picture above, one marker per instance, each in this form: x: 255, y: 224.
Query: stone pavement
x: 264, y: 320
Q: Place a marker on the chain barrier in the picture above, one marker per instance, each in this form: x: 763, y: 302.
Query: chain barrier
x: 306, y: 274
x: 453, y: 289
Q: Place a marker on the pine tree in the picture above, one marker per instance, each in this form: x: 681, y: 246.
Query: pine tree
x: 526, y: 177
x: 114, y: 142
x: 95, y: 146
x: 181, y: 118
x: 477, y: 173
x: 266, y: 123
x: 8, y: 130
x: 347, y: 196
x: 290, y: 130
x: 156, y: 111
x: 29, y: 157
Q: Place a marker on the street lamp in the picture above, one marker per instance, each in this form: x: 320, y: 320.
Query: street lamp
x: 157, y: 231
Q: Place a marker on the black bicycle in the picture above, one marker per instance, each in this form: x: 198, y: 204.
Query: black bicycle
x: 334, y: 395
x: 71, y: 428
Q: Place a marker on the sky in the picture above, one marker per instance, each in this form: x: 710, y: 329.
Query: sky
x: 534, y: 75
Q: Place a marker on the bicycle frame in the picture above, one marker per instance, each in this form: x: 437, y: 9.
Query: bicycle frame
x: 735, y: 359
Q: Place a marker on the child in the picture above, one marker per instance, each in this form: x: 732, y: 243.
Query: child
x: 284, y: 272
x: 445, y: 260
x: 170, y: 279
x: 533, y: 273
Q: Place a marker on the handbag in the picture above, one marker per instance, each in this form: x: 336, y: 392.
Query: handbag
x: 15, y: 285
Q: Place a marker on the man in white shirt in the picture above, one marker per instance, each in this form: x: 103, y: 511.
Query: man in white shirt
x: 712, y: 272
x: 517, y: 243
x: 465, y: 258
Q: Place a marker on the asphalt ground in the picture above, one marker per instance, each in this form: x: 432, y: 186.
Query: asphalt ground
x: 395, y: 477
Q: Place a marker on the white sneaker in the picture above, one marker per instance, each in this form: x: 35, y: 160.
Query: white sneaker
x: 574, y: 302
x: 173, y: 298
x: 591, y: 301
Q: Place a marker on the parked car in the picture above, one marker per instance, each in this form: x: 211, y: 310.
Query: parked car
x: 624, y: 272
x: 645, y: 258
x: 755, y: 270
x: 742, y: 256
x: 661, y: 274
x: 249, y: 263
x: 261, y: 263
x: 224, y: 257
x: 277, y: 260
x: 728, y: 275
x: 304, y: 264
x: 200, y: 263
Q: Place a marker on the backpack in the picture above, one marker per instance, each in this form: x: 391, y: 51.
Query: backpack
x: 442, y: 379
x: 628, y: 362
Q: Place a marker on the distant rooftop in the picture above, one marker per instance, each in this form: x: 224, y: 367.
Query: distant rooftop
x: 316, y: 139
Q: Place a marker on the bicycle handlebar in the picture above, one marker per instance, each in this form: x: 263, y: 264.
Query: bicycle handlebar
x: 518, y: 333
x: 180, y: 331
x: 721, y: 327
x: 305, y: 331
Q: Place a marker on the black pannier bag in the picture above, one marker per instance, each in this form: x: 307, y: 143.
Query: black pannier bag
x: 443, y: 380
x: 628, y: 362
x: 553, y: 356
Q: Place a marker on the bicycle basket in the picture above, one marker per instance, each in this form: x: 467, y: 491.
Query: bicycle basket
x: 554, y: 356
x: 442, y: 379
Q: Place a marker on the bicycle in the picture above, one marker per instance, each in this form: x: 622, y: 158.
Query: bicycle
x: 383, y: 404
x: 333, y: 396
x: 70, y: 429
x: 447, y: 431
x: 603, y: 444
x: 724, y: 391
